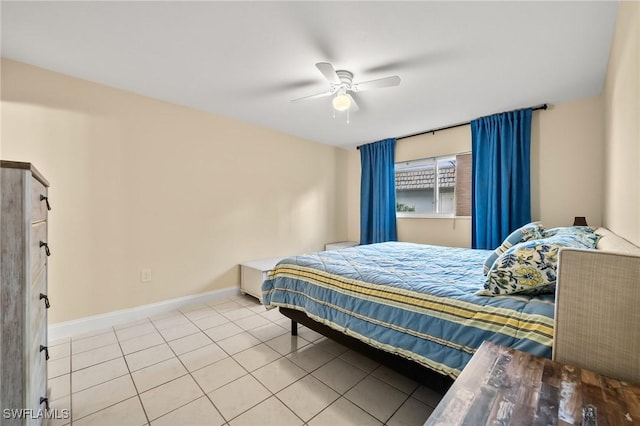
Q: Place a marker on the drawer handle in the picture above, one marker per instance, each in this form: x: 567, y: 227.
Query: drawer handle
x: 46, y: 352
x: 46, y: 300
x: 589, y: 415
x: 46, y: 200
x: 46, y: 248
x: 46, y: 401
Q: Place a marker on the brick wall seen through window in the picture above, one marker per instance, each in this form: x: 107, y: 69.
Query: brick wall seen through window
x: 436, y: 185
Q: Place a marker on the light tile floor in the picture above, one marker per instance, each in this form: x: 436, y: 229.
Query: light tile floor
x: 230, y: 362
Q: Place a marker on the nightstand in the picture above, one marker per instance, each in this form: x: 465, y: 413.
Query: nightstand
x: 508, y: 387
x: 253, y: 273
x: 339, y: 245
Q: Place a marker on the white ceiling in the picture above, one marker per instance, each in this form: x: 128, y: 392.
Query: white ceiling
x: 247, y: 60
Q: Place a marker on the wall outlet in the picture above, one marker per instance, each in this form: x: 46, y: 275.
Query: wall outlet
x: 145, y: 275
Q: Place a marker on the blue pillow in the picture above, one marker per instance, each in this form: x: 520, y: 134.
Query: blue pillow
x: 587, y: 234
x: 530, y: 231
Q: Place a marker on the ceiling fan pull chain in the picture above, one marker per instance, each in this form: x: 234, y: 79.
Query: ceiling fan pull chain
x: 348, y: 116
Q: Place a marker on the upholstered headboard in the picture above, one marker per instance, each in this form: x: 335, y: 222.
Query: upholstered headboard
x: 596, y: 312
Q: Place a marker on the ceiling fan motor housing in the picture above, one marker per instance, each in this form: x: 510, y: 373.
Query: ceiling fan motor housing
x: 346, y: 78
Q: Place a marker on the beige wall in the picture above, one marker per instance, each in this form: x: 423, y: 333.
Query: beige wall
x: 566, y: 163
x: 566, y: 172
x: 138, y: 183
x: 622, y: 127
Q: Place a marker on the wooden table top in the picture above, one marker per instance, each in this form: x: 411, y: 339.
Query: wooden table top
x: 503, y: 386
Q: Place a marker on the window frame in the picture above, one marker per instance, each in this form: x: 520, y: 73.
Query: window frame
x: 436, y: 214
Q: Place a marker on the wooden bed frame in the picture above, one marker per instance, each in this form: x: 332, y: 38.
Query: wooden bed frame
x: 405, y: 366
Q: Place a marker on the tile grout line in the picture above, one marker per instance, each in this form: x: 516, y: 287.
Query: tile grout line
x: 135, y: 386
x: 175, y: 356
x: 189, y: 372
x: 343, y: 394
x: 71, y: 381
x: 307, y: 373
x: 129, y: 369
x: 214, y: 311
x: 397, y: 409
x: 93, y: 386
x: 249, y: 373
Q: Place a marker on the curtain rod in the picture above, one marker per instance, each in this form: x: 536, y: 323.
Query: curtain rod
x: 536, y: 108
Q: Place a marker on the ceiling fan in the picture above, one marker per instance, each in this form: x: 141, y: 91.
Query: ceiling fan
x: 341, y: 86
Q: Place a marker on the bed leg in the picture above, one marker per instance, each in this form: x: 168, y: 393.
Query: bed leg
x: 294, y: 328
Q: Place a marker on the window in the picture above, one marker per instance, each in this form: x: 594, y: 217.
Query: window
x: 436, y: 186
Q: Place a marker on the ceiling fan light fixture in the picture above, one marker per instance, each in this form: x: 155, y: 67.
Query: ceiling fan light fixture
x: 341, y: 102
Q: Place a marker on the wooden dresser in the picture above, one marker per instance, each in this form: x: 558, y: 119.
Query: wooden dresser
x: 23, y: 294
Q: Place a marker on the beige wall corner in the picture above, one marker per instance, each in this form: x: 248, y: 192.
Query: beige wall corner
x: 566, y: 163
x: 139, y: 183
x: 353, y: 195
x: 622, y: 126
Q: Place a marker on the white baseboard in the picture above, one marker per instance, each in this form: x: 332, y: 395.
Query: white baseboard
x: 97, y: 322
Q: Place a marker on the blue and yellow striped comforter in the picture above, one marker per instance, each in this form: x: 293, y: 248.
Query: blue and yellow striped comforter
x: 414, y: 300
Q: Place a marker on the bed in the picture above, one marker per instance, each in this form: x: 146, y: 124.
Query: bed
x: 415, y: 303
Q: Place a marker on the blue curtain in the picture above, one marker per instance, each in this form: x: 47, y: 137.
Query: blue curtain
x: 378, y: 192
x: 501, y: 199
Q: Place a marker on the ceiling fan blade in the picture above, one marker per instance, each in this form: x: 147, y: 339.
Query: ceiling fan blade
x: 316, y: 96
x: 329, y: 72
x: 376, y: 84
x: 354, y: 106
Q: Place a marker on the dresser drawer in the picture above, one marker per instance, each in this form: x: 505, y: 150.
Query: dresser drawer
x: 37, y: 358
x: 36, y: 335
x: 37, y: 331
x: 39, y: 285
x: 37, y: 338
x: 37, y: 306
x: 38, y: 362
x: 38, y: 206
x: 36, y: 324
x: 36, y: 388
x: 38, y: 254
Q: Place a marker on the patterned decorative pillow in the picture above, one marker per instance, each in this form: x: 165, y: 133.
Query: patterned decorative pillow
x: 585, y: 233
x: 529, y: 267
x: 530, y: 231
